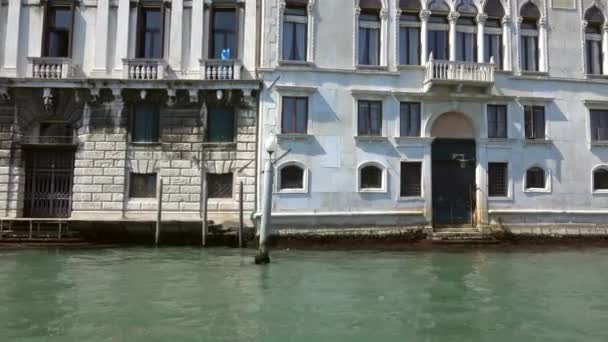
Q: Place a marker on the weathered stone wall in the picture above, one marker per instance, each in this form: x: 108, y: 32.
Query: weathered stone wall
x: 6, y: 136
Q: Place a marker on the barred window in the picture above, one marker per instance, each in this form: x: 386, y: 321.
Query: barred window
x: 142, y: 185
x: 409, y: 120
x: 600, y: 179
x: 535, y: 122
x: 411, y: 179
x: 535, y: 178
x: 497, y: 179
x: 497, y: 121
x: 219, y: 185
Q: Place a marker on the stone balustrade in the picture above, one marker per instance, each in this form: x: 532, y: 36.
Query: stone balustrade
x: 49, y: 67
x: 459, y: 72
x: 144, y: 69
x: 216, y: 69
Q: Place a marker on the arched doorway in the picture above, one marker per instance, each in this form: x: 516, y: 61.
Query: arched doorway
x: 453, y: 170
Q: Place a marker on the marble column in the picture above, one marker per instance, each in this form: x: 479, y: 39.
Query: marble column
x: 122, y: 38
x: 506, y: 43
x: 101, y: 37
x: 11, y: 43
x: 175, y: 45
x: 481, y: 22
x: 424, y: 29
x: 196, y: 35
x: 452, y: 18
x: 605, y: 48
x: 542, y: 44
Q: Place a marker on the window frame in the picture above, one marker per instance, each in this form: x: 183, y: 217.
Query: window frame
x: 305, y: 178
x: 507, y: 181
x: 357, y: 121
x: 368, y: 26
x: 545, y: 132
x: 594, y: 190
x: 506, y: 121
x: 592, y: 111
x: 421, y: 179
x: 141, y: 32
x: 215, y: 7
x: 46, y: 29
x: 153, y: 194
x: 209, y: 108
x: 547, y: 180
x: 157, y: 116
x: 419, y: 122
x: 232, y: 186
x: 295, y: 19
x: 461, y: 31
x: 383, y: 177
x: 294, y: 114
x: 408, y: 25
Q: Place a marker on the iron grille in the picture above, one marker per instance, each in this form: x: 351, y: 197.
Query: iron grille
x: 219, y: 185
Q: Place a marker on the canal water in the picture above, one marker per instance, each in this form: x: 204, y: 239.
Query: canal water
x: 180, y: 294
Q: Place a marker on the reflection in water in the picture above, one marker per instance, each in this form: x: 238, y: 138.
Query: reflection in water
x: 218, y: 295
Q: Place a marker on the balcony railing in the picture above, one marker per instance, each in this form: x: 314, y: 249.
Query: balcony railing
x: 459, y: 72
x: 218, y: 69
x: 49, y: 67
x: 144, y: 69
x: 46, y: 140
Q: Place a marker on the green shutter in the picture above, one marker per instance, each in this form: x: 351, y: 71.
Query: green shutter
x: 220, y: 125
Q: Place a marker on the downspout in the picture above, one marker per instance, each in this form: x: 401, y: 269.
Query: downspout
x: 258, y: 9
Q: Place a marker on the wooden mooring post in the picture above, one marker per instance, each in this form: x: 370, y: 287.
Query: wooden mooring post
x: 241, y: 214
x: 1, y: 229
x: 205, y: 223
x: 159, y: 212
x: 31, y: 228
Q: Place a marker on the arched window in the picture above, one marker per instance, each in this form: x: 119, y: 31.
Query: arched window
x: 291, y: 177
x: 371, y: 178
x: 369, y: 32
x: 493, y: 33
x: 593, y: 40
x: 529, y: 52
x: 600, y: 179
x: 409, y: 32
x: 466, y: 32
x: 437, y: 36
x: 295, y: 30
x: 535, y: 178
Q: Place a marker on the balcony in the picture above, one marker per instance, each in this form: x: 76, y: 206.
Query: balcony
x: 439, y: 72
x: 221, y: 70
x: 144, y: 69
x: 54, y: 68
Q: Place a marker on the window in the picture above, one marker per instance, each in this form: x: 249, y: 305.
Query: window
x: 593, y: 41
x: 291, y: 178
x: 224, y: 26
x: 145, y: 123
x: 497, y: 180
x: 142, y: 185
x: 437, y: 35
x: 409, y: 39
x: 411, y: 178
x: 150, y: 32
x: 466, y: 33
x: 535, y: 122
x: 219, y: 185
x: 529, y: 37
x: 58, y: 31
x: 295, y: 26
x: 535, y: 178
x: 220, y: 124
x: 371, y: 178
x: 369, y: 38
x: 493, y: 33
x: 294, y: 115
x: 369, y: 118
x: 600, y: 179
x: 599, y: 125
x: 497, y: 121
x: 409, y: 119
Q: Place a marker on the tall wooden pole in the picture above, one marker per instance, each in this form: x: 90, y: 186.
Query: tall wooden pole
x: 241, y: 214
x: 159, y: 212
x: 205, y: 200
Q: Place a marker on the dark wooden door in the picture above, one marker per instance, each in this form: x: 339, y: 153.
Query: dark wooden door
x: 48, y: 182
x: 453, y: 181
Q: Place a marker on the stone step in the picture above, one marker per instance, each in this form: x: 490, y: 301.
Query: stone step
x: 462, y: 235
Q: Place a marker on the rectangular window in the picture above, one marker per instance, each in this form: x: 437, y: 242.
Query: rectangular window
x: 594, y: 57
x: 150, y: 32
x: 497, y: 121
x: 411, y: 179
x: 466, y: 46
x: 497, y: 180
x: 294, y: 115
x: 220, y: 124
x: 535, y: 122
x: 409, y: 119
x: 493, y: 48
x: 224, y: 27
x: 295, y: 26
x: 219, y: 185
x: 369, y: 39
x: 145, y: 122
x: 142, y: 185
x: 599, y: 125
x: 529, y: 53
x: 369, y: 118
x: 58, y: 31
x: 438, y: 44
x: 409, y: 45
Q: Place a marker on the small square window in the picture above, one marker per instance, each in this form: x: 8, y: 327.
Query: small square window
x: 219, y: 185
x: 220, y: 124
x: 411, y: 178
x: 497, y: 180
x: 145, y: 122
x: 142, y: 185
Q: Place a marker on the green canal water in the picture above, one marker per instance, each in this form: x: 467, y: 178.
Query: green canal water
x: 170, y: 294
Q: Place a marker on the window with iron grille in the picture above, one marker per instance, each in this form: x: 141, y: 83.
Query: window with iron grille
x: 58, y: 30
x: 371, y: 177
x: 497, y: 179
x: 599, y: 125
x: 600, y: 179
x: 369, y: 118
x: 535, y: 122
x: 294, y: 116
x: 295, y: 26
x: 497, y: 121
x: 145, y: 122
x: 224, y: 28
x: 219, y: 185
x: 220, y: 124
x: 409, y: 119
x: 142, y: 185
x: 411, y: 179
x: 291, y: 178
x: 535, y: 178
x: 150, y: 31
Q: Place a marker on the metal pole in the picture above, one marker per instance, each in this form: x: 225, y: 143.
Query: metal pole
x: 31, y: 227
x: 262, y: 256
x: 1, y: 228
x: 159, y: 212
x: 59, y: 231
x: 241, y: 214
x: 205, y: 223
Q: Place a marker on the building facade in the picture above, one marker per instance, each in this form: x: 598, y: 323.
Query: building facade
x: 416, y: 113
x: 103, y: 101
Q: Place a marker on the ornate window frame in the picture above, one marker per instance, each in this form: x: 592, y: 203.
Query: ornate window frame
x: 310, y: 33
x: 603, y: 38
x: 383, y: 37
x: 541, y: 33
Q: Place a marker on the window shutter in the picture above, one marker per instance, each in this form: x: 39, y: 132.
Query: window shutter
x: 529, y: 123
x: 539, y: 123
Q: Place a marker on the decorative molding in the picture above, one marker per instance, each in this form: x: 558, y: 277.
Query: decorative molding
x: 481, y: 18
x: 425, y: 14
